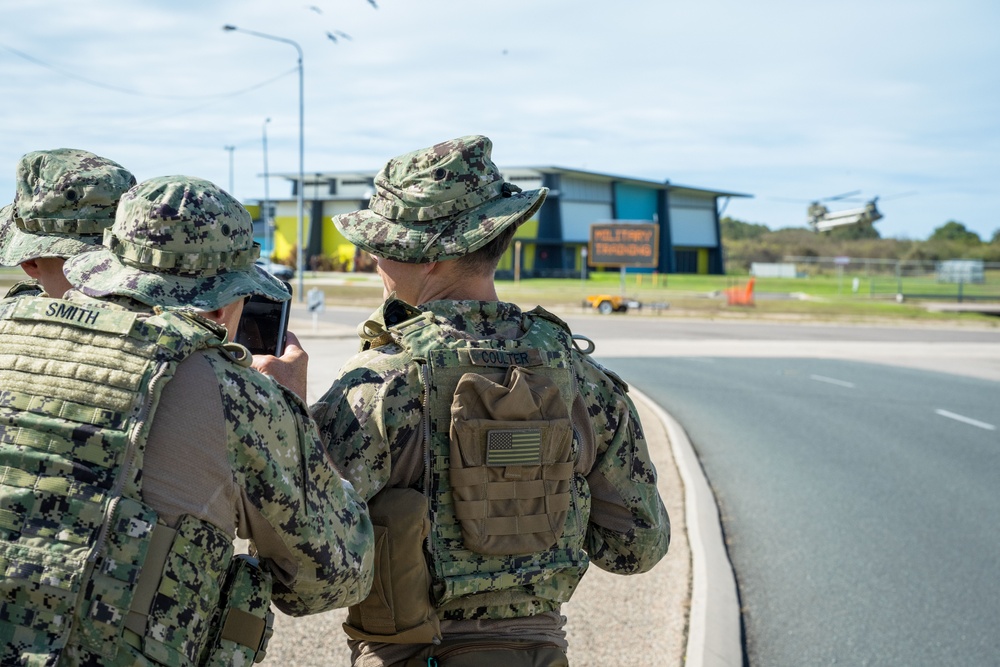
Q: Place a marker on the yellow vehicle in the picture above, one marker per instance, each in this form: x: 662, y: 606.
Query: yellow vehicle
x: 606, y: 304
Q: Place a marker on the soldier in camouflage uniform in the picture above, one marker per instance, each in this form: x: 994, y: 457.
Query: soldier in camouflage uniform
x: 136, y: 444
x: 498, y: 458
x: 64, y: 200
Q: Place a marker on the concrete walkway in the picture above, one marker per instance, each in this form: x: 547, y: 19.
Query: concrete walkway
x: 612, y: 620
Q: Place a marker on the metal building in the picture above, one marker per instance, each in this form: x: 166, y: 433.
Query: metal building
x: 552, y: 241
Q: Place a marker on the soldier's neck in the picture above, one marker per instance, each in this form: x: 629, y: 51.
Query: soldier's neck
x: 455, y: 286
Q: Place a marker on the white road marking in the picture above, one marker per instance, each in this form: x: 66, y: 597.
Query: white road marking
x: 839, y: 383
x: 966, y: 420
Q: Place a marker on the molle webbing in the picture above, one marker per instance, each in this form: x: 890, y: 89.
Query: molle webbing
x: 78, y: 383
x: 511, y: 461
x: 496, y: 585
x: 514, y: 523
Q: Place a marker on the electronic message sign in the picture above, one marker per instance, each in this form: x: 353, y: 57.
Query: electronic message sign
x: 631, y: 244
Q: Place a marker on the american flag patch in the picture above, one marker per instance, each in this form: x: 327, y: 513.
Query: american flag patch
x: 514, y: 448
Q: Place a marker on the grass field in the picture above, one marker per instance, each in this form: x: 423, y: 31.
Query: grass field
x: 817, y: 297
x: 822, y: 297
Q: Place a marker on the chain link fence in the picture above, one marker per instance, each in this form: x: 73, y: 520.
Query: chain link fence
x: 949, y: 280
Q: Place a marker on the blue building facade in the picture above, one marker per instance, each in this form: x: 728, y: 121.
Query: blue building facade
x: 552, y: 243
x: 688, y: 218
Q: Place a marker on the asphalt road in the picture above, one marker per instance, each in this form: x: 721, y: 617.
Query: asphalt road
x: 949, y: 348
x: 666, y: 326
x: 854, y: 495
x: 859, y: 503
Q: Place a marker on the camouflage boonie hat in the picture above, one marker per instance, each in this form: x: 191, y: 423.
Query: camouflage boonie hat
x: 176, y: 241
x: 64, y: 200
x: 438, y: 203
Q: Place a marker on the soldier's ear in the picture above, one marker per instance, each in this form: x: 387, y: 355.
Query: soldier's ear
x: 218, y: 315
x: 31, y: 268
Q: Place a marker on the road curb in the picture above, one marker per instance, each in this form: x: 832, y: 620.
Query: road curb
x: 714, y: 634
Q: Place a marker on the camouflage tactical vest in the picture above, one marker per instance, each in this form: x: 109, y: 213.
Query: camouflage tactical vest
x: 79, y: 383
x: 508, y: 511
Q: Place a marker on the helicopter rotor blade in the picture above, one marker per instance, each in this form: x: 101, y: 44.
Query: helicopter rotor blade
x: 842, y: 196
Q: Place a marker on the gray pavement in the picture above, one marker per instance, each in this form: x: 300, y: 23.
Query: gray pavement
x: 852, y: 494
x: 685, y: 611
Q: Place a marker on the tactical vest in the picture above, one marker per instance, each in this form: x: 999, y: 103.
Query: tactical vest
x: 508, y: 512
x: 82, y: 557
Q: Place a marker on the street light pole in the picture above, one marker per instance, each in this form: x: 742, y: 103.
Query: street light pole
x: 230, y: 149
x: 267, y: 200
x: 302, y: 181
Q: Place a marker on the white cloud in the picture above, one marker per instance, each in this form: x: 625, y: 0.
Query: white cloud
x: 778, y: 98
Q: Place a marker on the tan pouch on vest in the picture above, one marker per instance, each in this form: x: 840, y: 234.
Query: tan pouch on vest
x: 511, y: 462
x: 398, y: 609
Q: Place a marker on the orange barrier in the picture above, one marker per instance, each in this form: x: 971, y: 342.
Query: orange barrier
x: 740, y: 295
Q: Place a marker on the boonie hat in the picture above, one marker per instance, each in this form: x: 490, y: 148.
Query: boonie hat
x: 176, y: 241
x: 439, y: 203
x: 64, y: 200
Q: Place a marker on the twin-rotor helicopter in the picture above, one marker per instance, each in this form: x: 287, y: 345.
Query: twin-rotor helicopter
x: 822, y: 219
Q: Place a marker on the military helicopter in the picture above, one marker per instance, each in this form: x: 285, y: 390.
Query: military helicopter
x: 822, y: 219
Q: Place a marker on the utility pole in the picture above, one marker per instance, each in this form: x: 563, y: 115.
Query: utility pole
x: 267, y: 201
x: 300, y: 253
x: 231, y: 149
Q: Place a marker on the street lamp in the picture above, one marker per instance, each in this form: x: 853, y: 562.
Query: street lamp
x: 267, y: 199
x: 302, y: 180
x: 230, y: 149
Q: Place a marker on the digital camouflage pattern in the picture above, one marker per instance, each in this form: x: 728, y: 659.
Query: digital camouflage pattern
x: 470, y: 585
x: 372, y: 422
x: 73, y: 421
x: 246, y: 590
x: 177, y: 241
x: 439, y: 203
x: 79, y: 380
x: 7, y: 230
x: 64, y: 200
x: 25, y: 288
x: 289, y: 476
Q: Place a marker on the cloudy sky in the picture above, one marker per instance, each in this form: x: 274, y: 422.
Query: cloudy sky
x: 782, y: 99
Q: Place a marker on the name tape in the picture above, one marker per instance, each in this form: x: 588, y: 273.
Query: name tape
x: 65, y: 312
x: 480, y: 357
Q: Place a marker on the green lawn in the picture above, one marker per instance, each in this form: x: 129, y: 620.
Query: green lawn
x: 874, y: 286
x: 825, y: 297
x: 817, y: 297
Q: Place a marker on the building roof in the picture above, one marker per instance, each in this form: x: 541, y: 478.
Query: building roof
x: 520, y: 172
x: 588, y: 175
x: 687, y: 189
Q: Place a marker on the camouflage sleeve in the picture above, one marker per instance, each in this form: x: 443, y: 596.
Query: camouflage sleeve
x: 370, y: 415
x: 278, y: 459
x: 25, y: 288
x: 629, y: 528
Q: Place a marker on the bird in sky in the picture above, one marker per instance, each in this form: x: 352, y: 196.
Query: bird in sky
x: 336, y: 33
x: 372, y: 3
